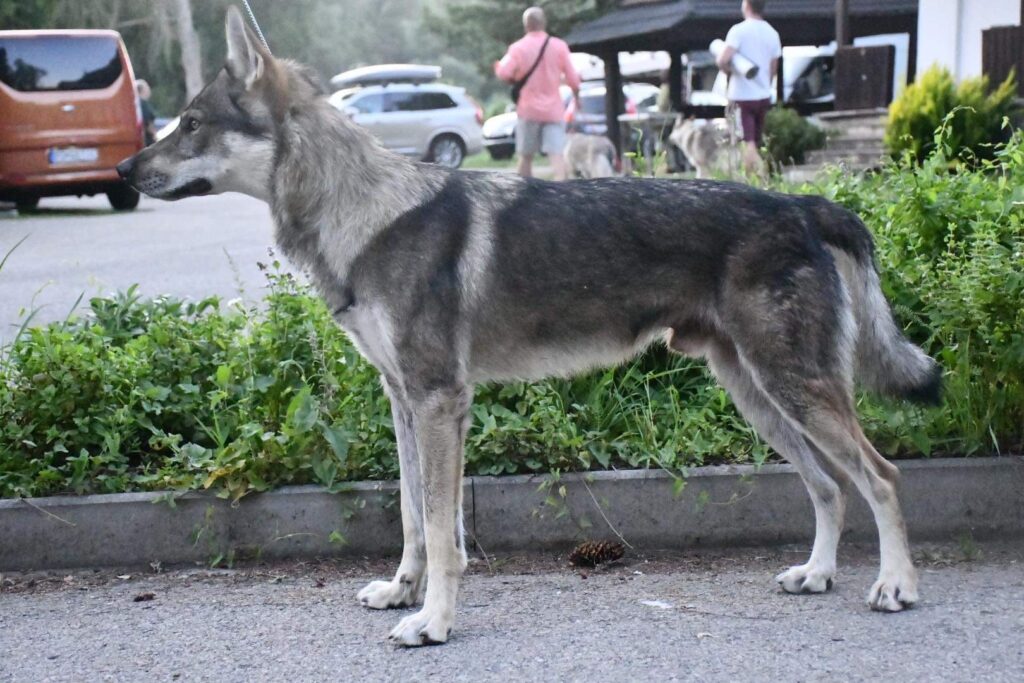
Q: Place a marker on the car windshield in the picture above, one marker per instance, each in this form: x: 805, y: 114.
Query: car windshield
x: 592, y: 104
x: 37, y: 63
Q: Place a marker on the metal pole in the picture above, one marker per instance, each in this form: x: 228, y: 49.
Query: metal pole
x: 842, y: 22
x: 613, y: 97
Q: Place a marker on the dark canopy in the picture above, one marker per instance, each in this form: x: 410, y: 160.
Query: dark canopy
x: 686, y: 25
x: 680, y: 26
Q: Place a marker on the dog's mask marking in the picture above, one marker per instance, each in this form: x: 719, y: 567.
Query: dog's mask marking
x: 193, y: 188
x: 225, y: 143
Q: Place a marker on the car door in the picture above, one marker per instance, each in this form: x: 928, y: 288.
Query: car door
x: 408, y: 124
x: 367, y: 110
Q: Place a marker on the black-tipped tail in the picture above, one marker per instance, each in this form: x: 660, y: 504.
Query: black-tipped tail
x: 928, y: 392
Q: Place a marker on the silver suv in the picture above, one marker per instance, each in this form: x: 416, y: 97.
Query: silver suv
x: 429, y: 121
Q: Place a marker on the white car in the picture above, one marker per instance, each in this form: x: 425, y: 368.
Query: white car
x: 428, y: 121
x: 500, y: 130
x: 500, y: 135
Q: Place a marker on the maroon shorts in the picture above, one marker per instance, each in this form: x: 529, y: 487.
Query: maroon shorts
x: 752, y: 113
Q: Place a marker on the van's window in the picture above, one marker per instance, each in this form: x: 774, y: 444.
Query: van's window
x: 59, y: 62
x: 417, y: 101
x: 372, y: 103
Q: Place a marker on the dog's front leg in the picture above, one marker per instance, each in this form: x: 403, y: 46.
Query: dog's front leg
x: 439, y: 421
x: 404, y: 590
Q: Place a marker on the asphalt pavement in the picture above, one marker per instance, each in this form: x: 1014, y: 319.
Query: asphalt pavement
x: 715, y: 616
x: 79, y: 247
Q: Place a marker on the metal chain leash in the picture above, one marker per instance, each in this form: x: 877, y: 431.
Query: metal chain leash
x: 255, y: 24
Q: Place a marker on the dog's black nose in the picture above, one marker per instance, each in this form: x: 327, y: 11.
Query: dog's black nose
x: 124, y: 168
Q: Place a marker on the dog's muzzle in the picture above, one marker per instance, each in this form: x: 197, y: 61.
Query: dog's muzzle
x: 125, y: 168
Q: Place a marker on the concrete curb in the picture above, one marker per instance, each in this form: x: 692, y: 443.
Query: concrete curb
x: 725, y: 505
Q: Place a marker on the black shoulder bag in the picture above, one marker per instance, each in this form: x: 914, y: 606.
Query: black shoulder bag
x: 517, y: 87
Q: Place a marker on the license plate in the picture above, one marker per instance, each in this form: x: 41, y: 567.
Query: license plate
x: 73, y: 155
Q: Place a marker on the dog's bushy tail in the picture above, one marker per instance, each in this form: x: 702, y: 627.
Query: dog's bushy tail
x: 886, y: 361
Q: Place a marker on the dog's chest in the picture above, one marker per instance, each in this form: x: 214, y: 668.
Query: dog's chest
x: 371, y: 331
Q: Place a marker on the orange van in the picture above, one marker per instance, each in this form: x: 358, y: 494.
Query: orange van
x: 68, y: 114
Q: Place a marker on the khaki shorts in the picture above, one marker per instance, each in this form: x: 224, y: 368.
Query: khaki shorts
x: 539, y: 136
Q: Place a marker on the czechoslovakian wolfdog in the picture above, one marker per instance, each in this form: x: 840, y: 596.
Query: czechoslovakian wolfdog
x: 590, y: 156
x: 444, y: 279
x: 705, y: 147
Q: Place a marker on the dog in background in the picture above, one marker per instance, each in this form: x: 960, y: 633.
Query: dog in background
x: 707, y: 147
x: 446, y: 279
x: 590, y: 156
x: 702, y: 144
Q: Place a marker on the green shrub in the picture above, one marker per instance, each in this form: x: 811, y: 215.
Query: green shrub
x: 790, y: 136
x: 164, y: 395
x: 950, y: 250
x: 977, y: 115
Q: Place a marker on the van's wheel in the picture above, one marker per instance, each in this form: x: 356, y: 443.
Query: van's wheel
x: 123, y: 198
x: 447, y: 151
x: 26, y: 204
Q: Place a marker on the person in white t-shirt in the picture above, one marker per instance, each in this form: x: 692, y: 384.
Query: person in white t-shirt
x: 755, y: 39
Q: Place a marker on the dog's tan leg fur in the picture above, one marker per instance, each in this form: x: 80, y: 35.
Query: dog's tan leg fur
x: 825, y: 485
x: 405, y: 589
x: 439, y: 420
x: 837, y: 433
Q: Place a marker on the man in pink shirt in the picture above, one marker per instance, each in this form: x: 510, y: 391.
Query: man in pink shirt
x: 541, y: 127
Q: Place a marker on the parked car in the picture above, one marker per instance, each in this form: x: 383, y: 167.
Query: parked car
x: 590, y: 117
x: 70, y: 114
x: 500, y: 135
x: 500, y: 131
x: 428, y: 121
x: 382, y: 74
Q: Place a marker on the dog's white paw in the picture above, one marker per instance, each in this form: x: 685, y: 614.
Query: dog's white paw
x: 386, y: 594
x: 423, y: 628
x: 806, y: 578
x: 893, y: 592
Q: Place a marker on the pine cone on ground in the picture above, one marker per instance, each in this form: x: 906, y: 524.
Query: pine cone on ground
x: 593, y: 553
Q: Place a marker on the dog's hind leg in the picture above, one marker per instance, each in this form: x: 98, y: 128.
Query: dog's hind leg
x: 825, y: 485
x: 793, y: 328
x: 405, y: 589
x: 837, y: 433
x: 440, y: 419
x: 819, y: 402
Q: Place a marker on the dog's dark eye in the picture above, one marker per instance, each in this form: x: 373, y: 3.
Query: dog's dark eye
x: 191, y: 124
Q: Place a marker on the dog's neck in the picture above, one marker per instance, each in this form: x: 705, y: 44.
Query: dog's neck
x: 335, y: 188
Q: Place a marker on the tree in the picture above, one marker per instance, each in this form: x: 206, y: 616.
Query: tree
x: 479, y: 31
x: 191, y: 54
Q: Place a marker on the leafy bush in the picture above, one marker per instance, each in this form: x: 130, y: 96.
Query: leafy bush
x: 951, y: 253
x: 790, y: 136
x: 167, y: 395
x: 156, y: 395
x: 973, y: 130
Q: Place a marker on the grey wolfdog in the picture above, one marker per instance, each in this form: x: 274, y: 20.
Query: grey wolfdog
x: 590, y: 156
x: 444, y: 279
x: 706, y: 147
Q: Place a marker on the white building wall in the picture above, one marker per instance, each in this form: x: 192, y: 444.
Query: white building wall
x: 949, y: 32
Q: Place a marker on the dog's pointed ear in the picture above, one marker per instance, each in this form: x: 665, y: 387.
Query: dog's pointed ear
x: 246, y: 57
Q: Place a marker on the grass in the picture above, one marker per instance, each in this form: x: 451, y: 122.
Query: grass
x: 483, y: 160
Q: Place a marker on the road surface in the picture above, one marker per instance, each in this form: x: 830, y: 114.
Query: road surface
x: 710, y: 617
x: 192, y: 248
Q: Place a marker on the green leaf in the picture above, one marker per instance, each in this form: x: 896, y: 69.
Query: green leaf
x: 303, y: 411
x: 339, y: 440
